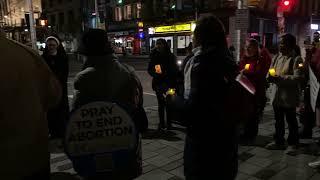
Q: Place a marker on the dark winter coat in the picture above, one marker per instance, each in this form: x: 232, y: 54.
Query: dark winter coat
x: 168, y: 77
x: 207, y: 118
x: 59, y: 64
x: 104, y: 78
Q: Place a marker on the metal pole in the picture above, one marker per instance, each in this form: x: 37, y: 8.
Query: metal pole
x: 311, y: 31
x: 96, y: 12
x: 196, y: 11
x: 32, y: 25
x: 238, y: 36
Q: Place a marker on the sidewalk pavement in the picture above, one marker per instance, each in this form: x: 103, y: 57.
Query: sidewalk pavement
x: 163, y: 155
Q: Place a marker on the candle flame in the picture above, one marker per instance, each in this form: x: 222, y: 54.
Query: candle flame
x: 272, y: 72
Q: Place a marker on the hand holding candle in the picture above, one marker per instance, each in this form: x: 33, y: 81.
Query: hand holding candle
x: 247, y: 67
x: 272, y: 72
x: 171, y: 91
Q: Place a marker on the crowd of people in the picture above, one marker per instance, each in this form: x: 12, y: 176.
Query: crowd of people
x: 205, y: 95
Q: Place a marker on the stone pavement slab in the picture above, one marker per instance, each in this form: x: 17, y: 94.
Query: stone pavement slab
x: 163, y: 156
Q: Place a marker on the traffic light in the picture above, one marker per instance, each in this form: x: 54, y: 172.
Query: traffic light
x: 286, y: 5
x: 120, y: 1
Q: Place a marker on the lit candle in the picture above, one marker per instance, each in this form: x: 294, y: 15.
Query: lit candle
x: 272, y: 72
x: 158, y: 69
x: 300, y: 65
x: 171, y: 91
x: 247, y: 67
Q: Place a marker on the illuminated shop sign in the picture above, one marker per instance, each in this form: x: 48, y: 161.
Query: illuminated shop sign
x: 172, y: 29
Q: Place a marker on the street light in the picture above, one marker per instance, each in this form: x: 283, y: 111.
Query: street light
x: 286, y: 3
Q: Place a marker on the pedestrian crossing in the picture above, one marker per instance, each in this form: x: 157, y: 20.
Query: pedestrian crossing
x: 59, y: 162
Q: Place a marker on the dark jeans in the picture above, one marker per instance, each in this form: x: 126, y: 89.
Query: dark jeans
x: 290, y: 114
x: 252, y: 125
x: 198, y: 156
x: 43, y: 174
x: 308, y: 118
x: 162, y: 108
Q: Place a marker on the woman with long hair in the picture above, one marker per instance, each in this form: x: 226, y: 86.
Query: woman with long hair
x: 207, y: 75
x: 255, y: 65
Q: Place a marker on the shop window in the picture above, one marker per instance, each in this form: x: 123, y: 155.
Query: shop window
x: 53, y: 20
x: 50, y: 3
x: 127, y: 12
x: 61, y: 18
x: 118, y: 14
x: 70, y: 17
x: 138, y: 12
x: 181, y: 42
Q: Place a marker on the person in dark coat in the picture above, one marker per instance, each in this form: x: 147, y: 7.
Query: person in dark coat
x: 162, y: 67
x: 207, y: 77
x: 56, y: 58
x: 104, y: 78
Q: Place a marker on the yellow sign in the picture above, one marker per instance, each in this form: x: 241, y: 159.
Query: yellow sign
x: 253, y: 2
x: 140, y: 24
x: 173, y: 28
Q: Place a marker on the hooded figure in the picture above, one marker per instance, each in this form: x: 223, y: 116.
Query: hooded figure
x: 104, y: 78
x: 56, y: 58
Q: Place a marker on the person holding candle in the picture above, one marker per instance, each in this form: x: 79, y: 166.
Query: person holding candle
x: 287, y: 79
x: 255, y: 65
x: 164, y: 71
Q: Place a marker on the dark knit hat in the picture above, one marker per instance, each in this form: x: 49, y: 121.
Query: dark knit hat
x: 94, y: 43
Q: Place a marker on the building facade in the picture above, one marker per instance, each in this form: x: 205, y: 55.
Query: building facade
x: 172, y: 20
x: 259, y: 19
x: 14, y: 18
x: 126, y: 30
x: 66, y: 19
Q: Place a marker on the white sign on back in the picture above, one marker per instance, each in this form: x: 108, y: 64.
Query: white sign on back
x: 100, y: 127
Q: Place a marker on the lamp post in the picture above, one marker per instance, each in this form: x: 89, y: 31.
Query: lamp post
x: 238, y: 35
x: 96, y: 13
x: 32, y: 25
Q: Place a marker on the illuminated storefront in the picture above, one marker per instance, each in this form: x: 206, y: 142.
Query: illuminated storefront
x: 178, y: 36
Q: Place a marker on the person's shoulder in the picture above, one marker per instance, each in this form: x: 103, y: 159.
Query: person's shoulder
x: 18, y: 49
x: 87, y: 72
x: 123, y: 67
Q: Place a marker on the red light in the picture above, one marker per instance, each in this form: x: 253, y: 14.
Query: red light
x: 286, y: 3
